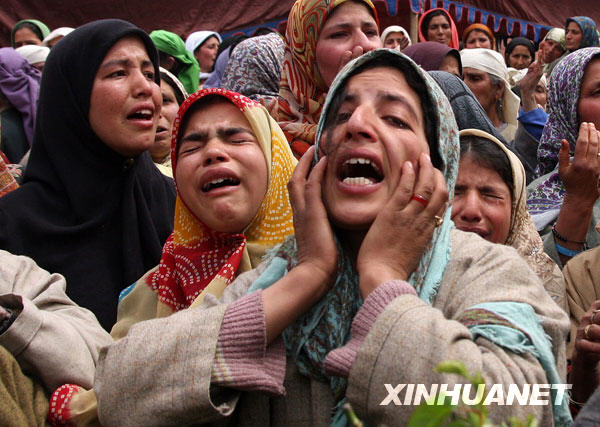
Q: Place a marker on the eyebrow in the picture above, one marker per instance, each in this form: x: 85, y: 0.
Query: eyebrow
x: 124, y: 63
x: 224, y: 132
x: 345, y: 25
x: 387, y: 97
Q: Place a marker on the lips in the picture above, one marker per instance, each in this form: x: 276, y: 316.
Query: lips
x: 218, y: 179
x: 142, y: 114
x: 477, y: 230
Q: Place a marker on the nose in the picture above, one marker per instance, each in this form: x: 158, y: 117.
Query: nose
x: 360, y: 125
x: 468, y: 206
x: 214, y: 152
x: 142, y: 85
x: 367, y: 44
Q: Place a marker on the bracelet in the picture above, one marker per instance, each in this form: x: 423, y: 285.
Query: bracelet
x: 575, y: 403
x: 559, y: 237
x: 566, y: 252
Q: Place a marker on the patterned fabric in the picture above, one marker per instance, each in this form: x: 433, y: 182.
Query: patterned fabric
x: 589, y: 30
x: 454, y: 43
x: 479, y: 27
x: 302, y: 91
x: 254, y: 68
x: 546, y: 194
x: 195, y: 256
x: 326, y: 326
x: 523, y: 235
x: 7, y: 181
x: 172, y: 44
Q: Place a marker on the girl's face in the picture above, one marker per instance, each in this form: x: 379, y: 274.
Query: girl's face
x: 520, y: 57
x: 350, y: 25
x: 162, y: 142
x: 221, y: 170
x: 482, y: 202
x: 125, y: 101
x: 378, y: 127
x: 477, y: 38
x: 589, y: 99
x: 24, y: 36
x: 439, y: 30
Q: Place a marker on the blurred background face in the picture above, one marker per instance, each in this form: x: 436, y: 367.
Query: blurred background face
x: 350, y: 25
x: 476, y: 39
x: 519, y: 58
x: 24, y: 36
x: 393, y: 40
x: 589, y: 102
x: 206, y: 54
x: 551, y: 50
x: 439, y: 30
x: 573, y: 36
x: 162, y: 142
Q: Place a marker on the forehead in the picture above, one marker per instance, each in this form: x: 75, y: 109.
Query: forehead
x: 395, y: 34
x: 24, y: 32
x: 166, y: 87
x: 468, y: 71
x: 216, y: 113
x: 125, y: 47
x: 592, y: 72
x: 438, y: 19
x: 476, y: 34
x: 347, y: 12
x: 520, y: 50
x: 573, y: 26
x: 210, y: 42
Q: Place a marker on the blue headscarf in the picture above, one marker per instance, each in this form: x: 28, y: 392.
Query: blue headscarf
x: 326, y: 326
x: 589, y: 30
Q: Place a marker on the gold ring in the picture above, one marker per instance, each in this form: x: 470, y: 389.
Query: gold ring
x: 438, y: 220
x: 586, y: 331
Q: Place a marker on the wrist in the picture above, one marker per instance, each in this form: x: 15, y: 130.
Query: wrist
x: 374, y: 276
x: 582, y: 204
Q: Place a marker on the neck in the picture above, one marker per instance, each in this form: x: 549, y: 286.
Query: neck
x: 351, y: 241
x: 492, y: 113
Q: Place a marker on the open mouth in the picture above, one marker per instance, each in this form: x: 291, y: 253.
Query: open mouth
x: 161, y: 129
x: 141, y: 115
x: 220, y: 182
x: 359, y: 171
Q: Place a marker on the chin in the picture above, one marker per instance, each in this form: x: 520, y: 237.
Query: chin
x: 352, y: 220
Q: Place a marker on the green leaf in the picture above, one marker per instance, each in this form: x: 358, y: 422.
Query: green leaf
x: 430, y: 415
x: 452, y: 367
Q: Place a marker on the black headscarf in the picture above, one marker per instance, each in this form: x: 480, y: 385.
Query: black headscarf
x: 84, y: 210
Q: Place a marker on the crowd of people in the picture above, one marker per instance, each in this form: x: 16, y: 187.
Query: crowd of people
x: 260, y: 229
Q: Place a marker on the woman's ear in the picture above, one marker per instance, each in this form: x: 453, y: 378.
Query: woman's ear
x: 500, y: 91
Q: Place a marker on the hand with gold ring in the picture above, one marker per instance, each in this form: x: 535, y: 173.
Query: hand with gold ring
x: 586, y: 355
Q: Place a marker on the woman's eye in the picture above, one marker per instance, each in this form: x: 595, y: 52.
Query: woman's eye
x: 149, y: 75
x: 117, y: 73
x: 342, y: 117
x: 372, y: 33
x: 395, y: 121
x: 337, y: 35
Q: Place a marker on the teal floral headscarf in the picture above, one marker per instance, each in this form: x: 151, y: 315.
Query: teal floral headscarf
x: 326, y: 326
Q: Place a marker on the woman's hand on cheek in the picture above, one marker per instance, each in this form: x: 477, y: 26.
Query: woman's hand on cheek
x: 580, y: 177
x: 349, y: 55
x: 314, y: 236
x: 397, y: 238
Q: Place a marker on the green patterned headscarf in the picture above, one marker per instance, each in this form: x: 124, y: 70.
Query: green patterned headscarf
x: 39, y: 24
x: 172, y: 44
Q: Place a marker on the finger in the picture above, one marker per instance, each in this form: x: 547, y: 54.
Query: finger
x: 405, y: 186
x: 582, y: 141
x: 357, y: 51
x: 346, y: 56
x: 592, y: 148
x: 298, y: 181
x: 426, y: 178
x: 437, y: 203
x: 564, y: 160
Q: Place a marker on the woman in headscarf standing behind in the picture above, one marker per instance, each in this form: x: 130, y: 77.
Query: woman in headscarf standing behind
x: 93, y: 206
x: 315, y: 50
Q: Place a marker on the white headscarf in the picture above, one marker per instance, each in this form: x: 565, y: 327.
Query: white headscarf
x: 59, y: 32
x: 492, y: 63
x: 33, y: 53
x: 197, y: 38
x: 395, y: 29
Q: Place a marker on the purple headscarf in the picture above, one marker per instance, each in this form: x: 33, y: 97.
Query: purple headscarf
x: 546, y: 193
x: 429, y: 55
x: 20, y: 83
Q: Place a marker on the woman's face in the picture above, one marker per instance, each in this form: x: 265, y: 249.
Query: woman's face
x: 377, y: 128
x: 206, y: 54
x: 482, y: 202
x: 482, y: 87
x: 221, y: 171
x: 351, y: 25
x: 519, y: 58
x: 589, y: 96
x: 450, y: 65
x: 477, y: 39
x: 125, y: 101
x: 162, y: 142
x: 393, y: 40
x: 24, y: 36
x: 439, y: 30
x: 573, y: 36
x: 551, y: 50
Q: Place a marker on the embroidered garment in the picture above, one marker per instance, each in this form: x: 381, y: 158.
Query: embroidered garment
x: 546, y: 194
x: 302, y: 91
x: 454, y: 43
x: 7, y: 181
x: 194, y: 256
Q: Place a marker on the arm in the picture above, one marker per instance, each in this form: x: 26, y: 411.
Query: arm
x: 409, y: 338
x: 51, y: 336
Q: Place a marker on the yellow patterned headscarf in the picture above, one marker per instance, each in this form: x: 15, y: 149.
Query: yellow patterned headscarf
x: 302, y: 91
x: 196, y: 259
